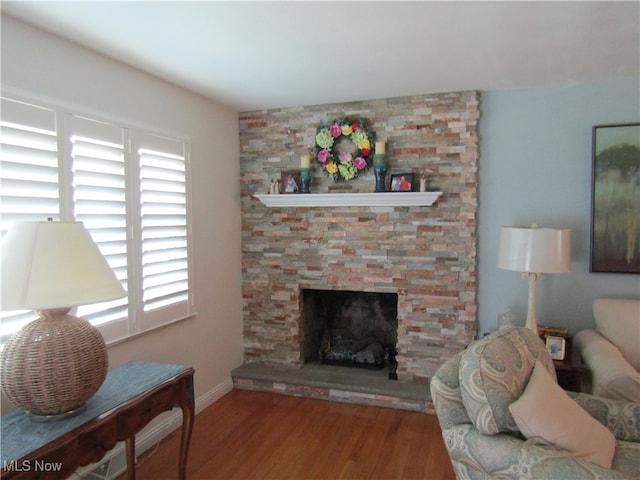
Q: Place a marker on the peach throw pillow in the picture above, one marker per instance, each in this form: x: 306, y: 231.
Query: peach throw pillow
x: 545, y: 411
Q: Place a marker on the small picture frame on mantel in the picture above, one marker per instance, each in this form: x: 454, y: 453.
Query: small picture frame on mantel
x: 401, y: 182
x: 290, y: 182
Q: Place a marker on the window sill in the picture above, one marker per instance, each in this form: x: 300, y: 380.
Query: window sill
x: 136, y: 335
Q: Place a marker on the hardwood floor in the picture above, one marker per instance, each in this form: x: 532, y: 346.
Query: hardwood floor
x: 255, y: 435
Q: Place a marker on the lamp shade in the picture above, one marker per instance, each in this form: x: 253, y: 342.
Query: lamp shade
x: 534, y: 249
x: 48, y: 265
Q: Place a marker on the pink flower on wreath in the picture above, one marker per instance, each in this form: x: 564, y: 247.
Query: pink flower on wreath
x: 345, y: 157
x: 359, y: 163
x: 335, y: 130
x: 323, y: 155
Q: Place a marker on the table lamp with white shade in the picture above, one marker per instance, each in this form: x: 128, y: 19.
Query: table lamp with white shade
x: 54, y: 364
x: 534, y: 251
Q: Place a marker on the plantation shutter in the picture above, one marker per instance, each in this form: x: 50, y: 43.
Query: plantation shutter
x: 128, y: 187
x: 164, y: 228
x: 28, y: 178
x: 29, y: 164
x: 98, y: 179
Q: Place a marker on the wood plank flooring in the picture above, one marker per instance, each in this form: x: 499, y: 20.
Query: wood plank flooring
x: 248, y: 435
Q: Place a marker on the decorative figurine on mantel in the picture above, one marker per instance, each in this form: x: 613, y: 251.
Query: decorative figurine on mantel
x: 274, y: 188
x: 423, y: 183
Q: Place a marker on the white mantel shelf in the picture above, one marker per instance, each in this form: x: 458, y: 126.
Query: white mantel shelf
x: 382, y: 199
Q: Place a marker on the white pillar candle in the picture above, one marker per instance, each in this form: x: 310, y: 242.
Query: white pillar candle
x: 305, y: 161
x: 380, y: 148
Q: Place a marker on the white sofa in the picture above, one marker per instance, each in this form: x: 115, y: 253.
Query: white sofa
x: 611, y: 352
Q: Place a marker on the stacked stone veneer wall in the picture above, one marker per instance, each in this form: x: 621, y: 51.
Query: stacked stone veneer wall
x: 425, y: 254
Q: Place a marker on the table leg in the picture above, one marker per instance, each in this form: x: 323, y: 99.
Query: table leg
x: 131, y: 458
x: 188, y: 407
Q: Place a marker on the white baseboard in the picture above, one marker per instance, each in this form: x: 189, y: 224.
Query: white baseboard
x: 114, y: 462
x: 213, y: 395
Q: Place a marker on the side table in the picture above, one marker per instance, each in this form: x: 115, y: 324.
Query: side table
x: 131, y: 396
x: 570, y: 371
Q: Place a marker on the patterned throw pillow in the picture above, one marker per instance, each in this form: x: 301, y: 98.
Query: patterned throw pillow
x: 494, y: 372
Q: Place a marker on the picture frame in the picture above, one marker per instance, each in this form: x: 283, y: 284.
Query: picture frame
x: 401, y: 182
x: 556, y: 347
x: 615, y: 210
x: 290, y: 182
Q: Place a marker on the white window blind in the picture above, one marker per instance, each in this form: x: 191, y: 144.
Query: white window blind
x: 128, y: 187
x: 28, y: 178
x: 29, y: 169
x: 164, y: 227
x: 98, y: 185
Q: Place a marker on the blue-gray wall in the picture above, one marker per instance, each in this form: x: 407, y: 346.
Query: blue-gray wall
x: 535, y: 167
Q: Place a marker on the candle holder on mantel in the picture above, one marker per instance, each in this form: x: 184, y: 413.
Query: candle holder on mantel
x: 380, y: 171
x: 305, y: 180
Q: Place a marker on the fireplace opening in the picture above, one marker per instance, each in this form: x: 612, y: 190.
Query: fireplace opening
x: 350, y: 328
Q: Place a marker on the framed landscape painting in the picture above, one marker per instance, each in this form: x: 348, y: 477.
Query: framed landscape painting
x: 615, y: 199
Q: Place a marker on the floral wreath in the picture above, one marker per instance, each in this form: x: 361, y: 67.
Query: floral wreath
x: 342, y: 166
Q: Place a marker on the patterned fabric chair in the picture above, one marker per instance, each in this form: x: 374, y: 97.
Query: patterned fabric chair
x: 475, y: 391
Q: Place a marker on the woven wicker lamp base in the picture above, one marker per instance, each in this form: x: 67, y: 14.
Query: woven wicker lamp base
x: 53, y: 365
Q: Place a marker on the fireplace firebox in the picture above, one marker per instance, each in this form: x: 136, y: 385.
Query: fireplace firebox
x: 350, y: 328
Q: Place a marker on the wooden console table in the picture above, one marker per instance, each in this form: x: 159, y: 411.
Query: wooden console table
x: 131, y: 396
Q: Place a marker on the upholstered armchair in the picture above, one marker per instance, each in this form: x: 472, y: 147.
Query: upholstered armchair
x: 611, y: 352
x: 504, y: 416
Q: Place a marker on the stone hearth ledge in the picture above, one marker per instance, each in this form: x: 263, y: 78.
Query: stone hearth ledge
x: 381, y: 199
x: 342, y: 384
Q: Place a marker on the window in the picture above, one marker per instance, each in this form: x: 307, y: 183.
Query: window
x: 128, y: 187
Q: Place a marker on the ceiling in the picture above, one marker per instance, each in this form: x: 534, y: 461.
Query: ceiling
x: 261, y: 55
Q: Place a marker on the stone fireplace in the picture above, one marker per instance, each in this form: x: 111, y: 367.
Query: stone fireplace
x: 424, y: 256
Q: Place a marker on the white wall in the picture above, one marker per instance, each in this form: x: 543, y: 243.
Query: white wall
x: 535, y: 167
x: 46, y: 67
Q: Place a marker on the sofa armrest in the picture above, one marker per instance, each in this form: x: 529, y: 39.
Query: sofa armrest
x: 507, y: 457
x: 622, y: 418
x: 445, y: 392
x: 612, y: 375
